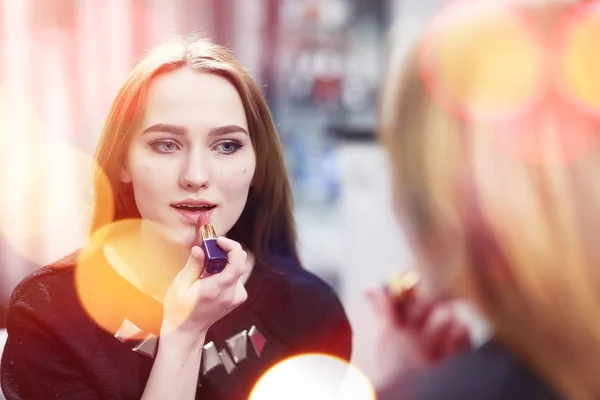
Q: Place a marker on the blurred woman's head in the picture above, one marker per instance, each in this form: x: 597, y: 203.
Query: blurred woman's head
x: 490, y: 124
x: 189, y: 132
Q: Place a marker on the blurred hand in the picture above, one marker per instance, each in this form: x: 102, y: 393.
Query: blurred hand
x: 415, y: 332
x: 193, y: 302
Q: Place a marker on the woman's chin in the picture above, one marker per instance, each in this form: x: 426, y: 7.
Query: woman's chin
x: 181, y: 239
x: 174, y: 237
x: 176, y: 241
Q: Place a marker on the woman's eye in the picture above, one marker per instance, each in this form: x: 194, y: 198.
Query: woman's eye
x: 164, y: 146
x: 228, y: 147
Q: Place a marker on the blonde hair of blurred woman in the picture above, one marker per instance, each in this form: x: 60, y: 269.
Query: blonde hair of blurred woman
x: 517, y: 238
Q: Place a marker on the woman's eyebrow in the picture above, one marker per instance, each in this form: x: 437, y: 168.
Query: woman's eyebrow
x: 167, y: 128
x: 224, y: 130
x: 180, y: 130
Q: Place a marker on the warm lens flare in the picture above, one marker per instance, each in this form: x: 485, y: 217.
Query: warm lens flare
x: 482, y: 62
x: 315, y: 377
x: 555, y: 134
x: 127, y: 263
x: 581, y: 59
x: 46, y: 187
x: 21, y: 139
x: 48, y: 205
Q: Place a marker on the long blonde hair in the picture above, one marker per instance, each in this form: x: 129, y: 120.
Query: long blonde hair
x: 513, y: 234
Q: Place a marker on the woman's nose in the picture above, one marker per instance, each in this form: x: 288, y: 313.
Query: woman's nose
x: 195, y: 173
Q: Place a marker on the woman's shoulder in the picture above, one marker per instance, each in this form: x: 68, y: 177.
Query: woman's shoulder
x: 299, y: 285
x: 50, y: 300
x: 49, y: 284
x: 490, y: 372
x: 305, y: 311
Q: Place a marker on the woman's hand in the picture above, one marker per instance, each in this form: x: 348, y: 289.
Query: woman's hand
x: 416, y: 333
x: 194, y: 302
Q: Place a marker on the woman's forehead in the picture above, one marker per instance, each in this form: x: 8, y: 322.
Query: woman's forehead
x: 188, y: 96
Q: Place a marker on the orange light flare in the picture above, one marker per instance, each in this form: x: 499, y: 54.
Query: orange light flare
x: 557, y: 133
x: 537, y: 93
x: 127, y: 263
x: 313, y: 376
x: 483, y: 61
x: 580, y: 60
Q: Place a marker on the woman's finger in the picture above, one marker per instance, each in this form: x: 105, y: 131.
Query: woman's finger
x: 193, y: 268
x: 228, y: 245
x: 457, y: 339
x: 416, y: 313
x: 436, y: 330
x: 382, y: 305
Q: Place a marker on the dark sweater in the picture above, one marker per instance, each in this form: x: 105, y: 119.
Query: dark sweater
x: 17, y: 263
x: 490, y: 372
x: 56, y: 350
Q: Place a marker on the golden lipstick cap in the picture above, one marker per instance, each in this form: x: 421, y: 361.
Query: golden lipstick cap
x: 208, y: 232
x: 402, y: 286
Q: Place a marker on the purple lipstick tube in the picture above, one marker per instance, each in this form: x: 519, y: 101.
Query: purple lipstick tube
x: 215, y: 257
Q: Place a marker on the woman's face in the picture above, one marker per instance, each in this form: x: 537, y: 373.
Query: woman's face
x: 192, y: 155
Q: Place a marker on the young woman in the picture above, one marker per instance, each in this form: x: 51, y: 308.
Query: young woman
x: 491, y: 127
x: 133, y: 315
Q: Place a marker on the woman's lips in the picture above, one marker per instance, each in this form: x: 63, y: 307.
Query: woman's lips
x: 191, y: 216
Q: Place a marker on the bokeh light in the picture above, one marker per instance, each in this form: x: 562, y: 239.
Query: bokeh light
x: 554, y: 134
x: 110, y: 268
x: 20, y: 136
x: 581, y: 59
x: 315, y: 377
x: 46, y: 188
x: 482, y: 61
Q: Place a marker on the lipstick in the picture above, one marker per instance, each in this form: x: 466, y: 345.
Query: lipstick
x: 402, y: 286
x: 215, y: 257
x: 402, y: 289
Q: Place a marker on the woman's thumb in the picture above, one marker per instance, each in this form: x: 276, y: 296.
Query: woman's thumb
x: 193, y: 267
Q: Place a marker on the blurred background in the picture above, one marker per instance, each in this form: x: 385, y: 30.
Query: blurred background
x: 320, y: 63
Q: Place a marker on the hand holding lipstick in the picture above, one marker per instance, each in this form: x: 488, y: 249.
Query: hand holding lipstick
x: 415, y: 331
x: 195, y: 301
